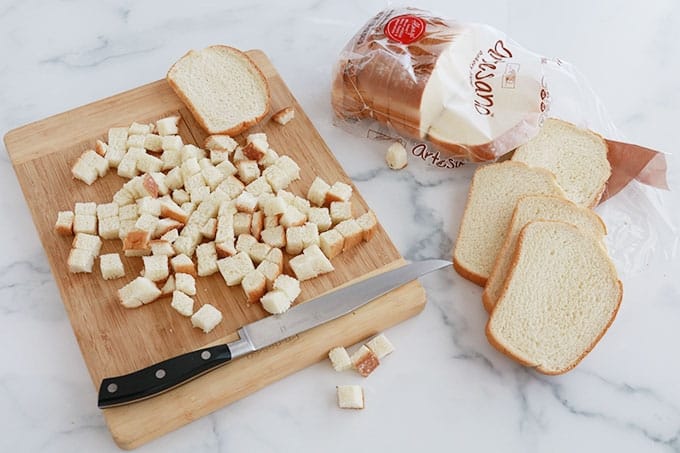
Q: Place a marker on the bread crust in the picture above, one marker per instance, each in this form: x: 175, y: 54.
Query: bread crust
x: 500, y: 347
x: 237, y: 129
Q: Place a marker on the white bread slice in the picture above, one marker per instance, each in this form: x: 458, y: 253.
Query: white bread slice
x: 577, y: 157
x: 559, y: 299
x: 528, y: 209
x: 494, y: 192
x: 226, y: 92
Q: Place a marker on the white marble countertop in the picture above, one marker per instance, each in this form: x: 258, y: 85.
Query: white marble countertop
x: 446, y: 388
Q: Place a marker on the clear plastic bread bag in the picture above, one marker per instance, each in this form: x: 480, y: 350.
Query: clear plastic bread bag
x: 471, y: 93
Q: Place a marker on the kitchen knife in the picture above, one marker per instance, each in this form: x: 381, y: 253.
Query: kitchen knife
x: 173, y: 372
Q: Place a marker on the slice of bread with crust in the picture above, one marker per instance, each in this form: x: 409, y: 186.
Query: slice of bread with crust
x: 494, y: 192
x: 224, y: 89
x: 561, y: 296
x: 528, y: 209
x: 577, y: 157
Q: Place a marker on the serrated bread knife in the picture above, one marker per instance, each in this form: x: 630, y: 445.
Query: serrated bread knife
x: 165, y: 375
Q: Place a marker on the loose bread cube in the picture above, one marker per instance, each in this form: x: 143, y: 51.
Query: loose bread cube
x: 80, y: 261
x: 168, y: 286
x: 220, y: 143
x: 234, y: 268
x: 310, y: 235
x: 288, y: 197
x: 206, y: 318
x: 185, y: 245
x: 350, y: 396
x: 169, y: 209
x: 190, y: 151
x: 183, y: 264
x: 109, y: 227
x: 365, y: 361
x: 168, y: 125
x: 64, y: 224
x: 217, y: 157
x: 185, y: 283
x: 268, y: 159
x: 147, y: 163
x: 122, y: 197
x: 161, y: 247
x: 138, y: 292
x: 242, y: 222
x: 289, y: 286
x: 150, y: 206
x: 244, y: 242
x: 107, y: 210
x: 258, y: 251
x: 270, y: 271
x: 284, y: 115
x: 180, y: 196
x: 246, y: 202
x: 85, y: 224
x: 227, y: 168
x: 380, y: 346
x: 270, y: 221
x: 139, y: 129
x: 225, y: 249
x: 294, y: 240
x: 339, y: 191
x: 232, y: 186
x: 183, y: 304
x: 190, y: 167
x: 259, y: 186
x: 276, y: 177
x: 248, y: 171
x: 340, y: 210
x: 127, y: 167
x: 351, y: 232
x: 125, y: 227
x: 128, y: 212
x: 275, y: 237
x: 156, y: 267
x: 89, y: 167
x: 175, y: 180
x: 301, y: 204
x: 274, y: 206
x: 117, y: 145
x: 100, y: 148
x: 111, y: 266
x: 257, y: 224
x: 172, y: 156
x: 213, y: 176
x: 200, y: 194
x: 255, y: 150
x: 146, y: 222
x: 207, y: 259
x: 258, y: 136
x: 340, y: 359
x: 318, y: 191
x: 275, y: 302
x: 188, y: 207
x: 321, y: 263
x: 289, y: 167
x: 321, y: 217
x: 89, y: 208
x: 194, y: 182
x: 331, y: 243
x: 225, y: 229
x: 292, y: 217
x: 209, y: 229
x: 171, y: 235
x: 275, y: 255
x: 89, y: 242
x: 254, y: 285
x: 238, y: 155
x: 303, y: 267
x: 369, y: 225
x: 396, y: 156
x: 135, y: 141
x: 153, y: 142
x: 165, y: 226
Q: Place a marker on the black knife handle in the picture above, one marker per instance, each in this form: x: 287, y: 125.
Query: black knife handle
x: 161, y: 377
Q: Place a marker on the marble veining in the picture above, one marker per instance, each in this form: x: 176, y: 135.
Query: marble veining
x: 445, y: 388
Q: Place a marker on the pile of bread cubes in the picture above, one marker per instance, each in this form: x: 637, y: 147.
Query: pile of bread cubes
x: 225, y: 204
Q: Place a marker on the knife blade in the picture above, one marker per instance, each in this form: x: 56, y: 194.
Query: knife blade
x: 170, y: 373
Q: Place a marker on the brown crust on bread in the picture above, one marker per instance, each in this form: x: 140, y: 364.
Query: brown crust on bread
x: 253, y: 152
x: 500, y: 347
x: 150, y: 185
x: 237, y: 129
x: 137, y: 240
x: 278, y: 116
x: 367, y: 363
x: 467, y: 274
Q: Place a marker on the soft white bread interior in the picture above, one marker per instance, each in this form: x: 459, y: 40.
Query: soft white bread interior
x: 206, y: 318
x: 528, y: 209
x: 577, y: 157
x: 224, y: 89
x: 560, y: 297
x: 493, y: 194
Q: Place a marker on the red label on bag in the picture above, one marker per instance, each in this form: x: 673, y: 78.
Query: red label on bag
x: 405, y: 29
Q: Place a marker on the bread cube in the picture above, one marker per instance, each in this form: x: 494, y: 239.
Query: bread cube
x: 171, y: 235
x: 168, y: 125
x: 80, y: 261
x: 310, y: 234
x: 117, y: 145
x: 172, y: 155
x: 139, y: 129
x: 303, y: 267
x: 161, y: 247
x: 138, y: 292
x: 128, y: 212
x: 109, y: 227
x: 331, y: 243
x: 183, y: 304
x: 257, y: 224
x: 255, y: 150
x: 168, y: 286
x: 190, y: 151
x: 165, y: 226
x: 368, y: 224
x: 238, y: 155
x: 232, y: 186
x: 126, y: 226
x: 107, y: 210
x: 156, y: 267
x: 244, y: 242
x: 226, y: 167
x: 200, y: 194
x: 220, y: 142
x: 153, y: 142
x: 270, y: 221
x: 88, y: 208
x: 274, y: 206
x: 268, y: 159
x: 225, y: 229
x: 225, y: 249
x: 284, y: 115
x: 340, y: 359
x: 217, y: 157
x: 254, y: 285
x: 209, y: 229
x: 150, y: 206
x: 242, y: 221
x: 275, y: 302
x: 350, y: 396
x: 206, y: 318
x: 100, y: 148
x: 174, y: 180
x: 294, y: 240
x: 185, y: 245
x: 380, y: 346
x: 321, y: 263
x: 276, y: 177
x: 258, y: 136
x: 135, y: 141
x: 340, y: 210
x: 351, y: 232
x: 185, y: 283
x: 275, y: 255
x: 64, y: 224
x: 213, y: 176
x: 365, y: 361
x: 289, y: 167
x: 89, y: 242
x: 275, y: 237
x: 339, y: 191
x: 318, y: 191
x: 289, y: 286
x: 258, y: 251
x: 246, y: 202
x: 89, y: 166
x: 85, y: 224
x: 147, y: 163
x: 301, y: 204
x: 111, y: 266
x: 147, y: 222
x: 190, y: 167
x: 234, y: 268
x: 259, y: 186
x: 207, y: 259
x: 292, y: 217
x: 248, y: 171
x: 321, y: 217
x: 270, y: 271
x: 183, y: 264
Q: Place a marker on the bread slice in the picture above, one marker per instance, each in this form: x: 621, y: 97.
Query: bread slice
x: 225, y: 91
x: 577, y: 157
x: 559, y: 299
x: 528, y: 209
x: 494, y: 192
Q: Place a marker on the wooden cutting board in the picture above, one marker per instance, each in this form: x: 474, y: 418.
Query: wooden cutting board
x: 115, y: 340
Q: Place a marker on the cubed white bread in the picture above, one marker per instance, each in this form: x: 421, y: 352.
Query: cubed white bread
x: 185, y: 245
x: 232, y: 186
x: 257, y: 136
x: 127, y: 167
x: 122, y: 197
x: 275, y: 255
x: 100, y: 148
x: 259, y: 186
x: 289, y: 167
x: 111, y: 266
x: 396, y: 156
x: 238, y: 155
x: 117, y: 140
x: 159, y: 178
x: 248, y: 171
x: 149, y: 205
x: 194, y: 182
x: 171, y: 235
x: 276, y: 177
x: 125, y: 227
x: 89, y: 167
x: 170, y: 209
x: 257, y: 224
x: 109, y: 227
x: 292, y: 217
x: 213, y: 176
x: 331, y: 243
x: 185, y: 283
x: 227, y: 168
x: 350, y: 396
x: 174, y: 181
x: 284, y: 115
x: 339, y: 191
x: 234, y: 268
x: 275, y: 237
x: 270, y: 270
x: 138, y: 292
x: 165, y: 226
x: 156, y: 267
x: 321, y: 263
x: 180, y: 196
x: 128, y: 212
x: 183, y: 264
x: 340, y: 210
x: 270, y: 221
x: 206, y: 255
x: 225, y: 249
x: 206, y: 318
x: 172, y: 155
x: 268, y: 159
x: 220, y: 143
x: 153, y: 142
x: 209, y: 229
x: 380, y: 346
x: 139, y: 129
x: 301, y: 204
x: 161, y: 247
x: 289, y: 285
x: 183, y: 304
x: 288, y: 197
x: 246, y: 202
x: 317, y: 191
x: 365, y: 361
x: 64, y: 224
x: 217, y: 157
x: 303, y: 267
x: 188, y: 207
x: 107, y: 210
x: 254, y: 284
x: 190, y: 151
x: 275, y: 302
x: 85, y: 224
x: 147, y: 222
x: 169, y: 285
x: 80, y: 261
x: 340, y: 359
x: 167, y: 126
x: 274, y: 206
x: 255, y: 150
x: 89, y: 242
x: 241, y: 223
x: 310, y: 234
x: 225, y: 229
x: 200, y: 194
x: 147, y: 163
x: 244, y: 242
x: 294, y: 240
x: 369, y: 225
x: 321, y: 217
x: 86, y: 208
x: 258, y: 251
x: 351, y: 232
x: 135, y: 141
x: 190, y: 167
